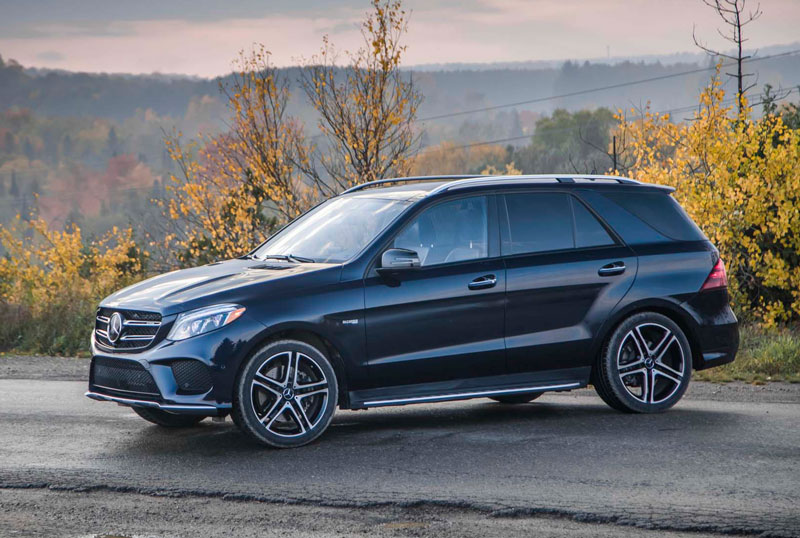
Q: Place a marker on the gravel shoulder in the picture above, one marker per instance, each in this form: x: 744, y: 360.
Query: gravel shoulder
x: 77, y: 369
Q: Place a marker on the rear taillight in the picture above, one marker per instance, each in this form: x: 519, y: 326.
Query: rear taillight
x: 716, y: 278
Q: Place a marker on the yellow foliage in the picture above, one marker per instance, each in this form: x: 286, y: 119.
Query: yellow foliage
x: 508, y: 170
x: 51, y: 282
x: 53, y: 265
x: 739, y: 179
x: 234, y: 188
x: 366, y: 110
x: 448, y: 158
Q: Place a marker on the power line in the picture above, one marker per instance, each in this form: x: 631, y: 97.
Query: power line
x: 572, y: 128
x: 601, y: 88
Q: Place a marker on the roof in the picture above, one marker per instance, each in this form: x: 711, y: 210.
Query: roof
x: 419, y: 186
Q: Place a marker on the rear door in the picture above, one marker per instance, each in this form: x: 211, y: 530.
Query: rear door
x: 565, y: 270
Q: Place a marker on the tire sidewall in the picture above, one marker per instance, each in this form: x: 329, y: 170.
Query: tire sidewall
x: 247, y: 419
x: 610, y: 363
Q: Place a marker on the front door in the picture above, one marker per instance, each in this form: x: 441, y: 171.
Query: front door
x: 444, y: 320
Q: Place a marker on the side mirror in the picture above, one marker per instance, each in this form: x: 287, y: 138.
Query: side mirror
x: 398, y: 259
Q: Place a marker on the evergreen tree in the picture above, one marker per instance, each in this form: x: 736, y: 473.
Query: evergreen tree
x: 74, y: 218
x: 113, y: 142
x: 67, y: 146
x: 28, y: 149
x: 35, y: 188
x: 13, y: 190
x: 9, y: 143
x: 516, y: 125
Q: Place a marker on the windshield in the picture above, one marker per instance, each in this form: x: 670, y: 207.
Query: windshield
x: 335, y: 231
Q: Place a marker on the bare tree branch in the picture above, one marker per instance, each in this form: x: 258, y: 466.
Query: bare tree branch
x: 735, y: 17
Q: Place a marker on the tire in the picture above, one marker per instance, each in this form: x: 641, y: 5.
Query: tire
x: 166, y: 419
x: 525, y: 397
x: 285, y: 394
x: 645, y: 366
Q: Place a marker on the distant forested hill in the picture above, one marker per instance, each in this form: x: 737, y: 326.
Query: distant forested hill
x: 88, y: 148
x: 121, y: 96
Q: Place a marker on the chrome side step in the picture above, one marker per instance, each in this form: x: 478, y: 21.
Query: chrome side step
x: 467, y: 395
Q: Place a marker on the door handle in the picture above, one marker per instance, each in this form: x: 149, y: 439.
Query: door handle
x: 483, y: 282
x: 610, y: 269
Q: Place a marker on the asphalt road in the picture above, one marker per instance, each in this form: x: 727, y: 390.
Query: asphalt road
x: 722, y: 461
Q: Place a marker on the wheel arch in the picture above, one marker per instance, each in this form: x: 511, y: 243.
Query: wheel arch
x: 666, y: 308
x: 313, y: 338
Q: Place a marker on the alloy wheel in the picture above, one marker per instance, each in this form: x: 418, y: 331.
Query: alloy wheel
x: 651, y: 363
x: 289, y: 394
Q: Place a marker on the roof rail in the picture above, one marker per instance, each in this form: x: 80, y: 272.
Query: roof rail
x: 409, y: 179
x: 553, y: 178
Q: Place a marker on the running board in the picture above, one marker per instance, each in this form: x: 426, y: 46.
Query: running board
x: 468, y: 395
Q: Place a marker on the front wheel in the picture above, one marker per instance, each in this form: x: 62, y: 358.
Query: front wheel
x: 645, y: 366
x: 166, y: 419
x: 285, y: 395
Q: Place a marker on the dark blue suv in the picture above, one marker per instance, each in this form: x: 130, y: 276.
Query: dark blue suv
x: 427, y: 289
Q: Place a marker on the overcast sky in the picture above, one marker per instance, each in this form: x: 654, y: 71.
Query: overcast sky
x: 201, y: 37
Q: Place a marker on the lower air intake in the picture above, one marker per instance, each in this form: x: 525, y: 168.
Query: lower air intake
x: 191, y: 376
x: 129, y: 378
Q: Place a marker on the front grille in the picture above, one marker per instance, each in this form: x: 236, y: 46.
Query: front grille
x: 136, y: 331
x: 124, y: 376
x: 191, y: 376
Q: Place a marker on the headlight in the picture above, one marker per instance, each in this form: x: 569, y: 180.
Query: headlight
x: 204, y: 320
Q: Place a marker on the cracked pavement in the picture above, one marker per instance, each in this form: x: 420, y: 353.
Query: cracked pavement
x: 724, y: 460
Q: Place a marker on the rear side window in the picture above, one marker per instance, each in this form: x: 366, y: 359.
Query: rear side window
x: 588, y: 230
x: 661, y: 212
x: 540, y: 222
x: 537, y: 222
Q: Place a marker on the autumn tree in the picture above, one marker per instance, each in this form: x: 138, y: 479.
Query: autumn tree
x: 449, y: 158
x: 740, y: 181
x: 232, y: 189
x: 367, y: 107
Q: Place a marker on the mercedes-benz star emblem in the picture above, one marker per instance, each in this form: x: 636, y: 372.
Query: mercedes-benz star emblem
x: 114, y: 327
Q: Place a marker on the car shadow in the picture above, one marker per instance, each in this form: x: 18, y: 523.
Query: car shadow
x: 476, y: 421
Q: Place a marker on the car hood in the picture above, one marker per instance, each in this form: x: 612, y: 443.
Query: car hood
x: 234, y: 281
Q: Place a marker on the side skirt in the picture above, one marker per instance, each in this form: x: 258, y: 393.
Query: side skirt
x: 554, y: 380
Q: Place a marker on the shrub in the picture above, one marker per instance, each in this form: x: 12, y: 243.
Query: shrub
x: 51, y: 282
x: 739, y: 179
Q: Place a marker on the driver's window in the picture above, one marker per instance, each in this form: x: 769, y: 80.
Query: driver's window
x: 448, y: 232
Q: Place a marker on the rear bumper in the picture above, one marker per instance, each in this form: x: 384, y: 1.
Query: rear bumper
x: 196, y: 409
x: 716, y: 329
x: 719, y: 344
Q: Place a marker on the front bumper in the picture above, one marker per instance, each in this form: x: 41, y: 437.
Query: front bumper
x: 220, y: 352
x: 198, y: 409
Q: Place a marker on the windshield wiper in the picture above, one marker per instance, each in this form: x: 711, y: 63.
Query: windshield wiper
x: 287, y: 257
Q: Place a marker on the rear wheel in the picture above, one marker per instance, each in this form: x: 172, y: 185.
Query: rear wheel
x: 516, y: 398
x: 286, y: 394
x: 166, y: 419
x: 645, y: 366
